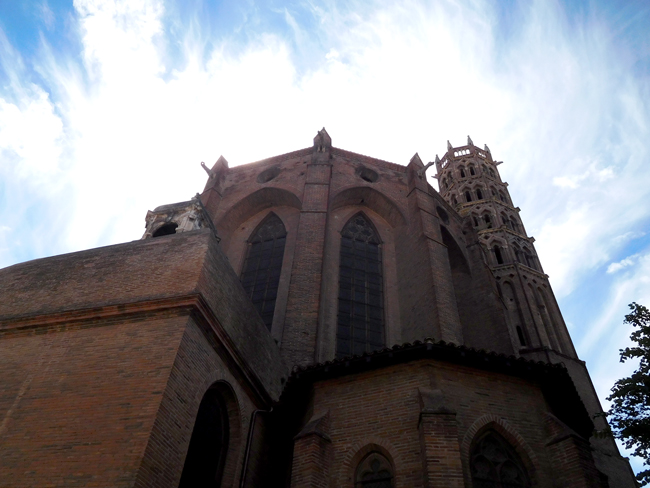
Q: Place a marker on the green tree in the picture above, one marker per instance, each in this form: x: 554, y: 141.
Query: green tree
x: 629, y: 416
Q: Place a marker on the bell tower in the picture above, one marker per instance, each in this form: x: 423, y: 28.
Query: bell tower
x: 469, y: 180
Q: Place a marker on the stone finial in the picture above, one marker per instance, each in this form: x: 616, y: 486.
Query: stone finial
x: 469, y: 141
x: 449, y: 148
x: 487, y: 149
x: 437, y: 159
x: 322, y: 141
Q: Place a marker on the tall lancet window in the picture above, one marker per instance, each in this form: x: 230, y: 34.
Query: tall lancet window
x: 263, y: 264
x: 361, y: 302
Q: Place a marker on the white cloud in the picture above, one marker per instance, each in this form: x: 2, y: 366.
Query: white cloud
x: 624, y: 263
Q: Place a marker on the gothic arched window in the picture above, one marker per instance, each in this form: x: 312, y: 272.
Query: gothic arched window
x: 263, y: 264
x: 495, y: 464
x: 360, y: 323
x: 374, y: 471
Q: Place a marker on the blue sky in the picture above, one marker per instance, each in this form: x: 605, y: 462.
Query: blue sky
x: 108, y: 107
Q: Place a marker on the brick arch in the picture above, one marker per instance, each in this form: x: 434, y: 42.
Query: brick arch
x: 254, y: 203
x: 359, y: 450
x: 371, y: 198
x: 509, y: 433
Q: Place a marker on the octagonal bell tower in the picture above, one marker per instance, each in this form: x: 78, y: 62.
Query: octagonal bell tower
x: 469, y: 180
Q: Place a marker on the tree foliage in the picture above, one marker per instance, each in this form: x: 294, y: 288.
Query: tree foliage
x: 629, y: 415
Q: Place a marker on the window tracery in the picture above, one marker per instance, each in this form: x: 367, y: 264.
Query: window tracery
x: 261, y: 274
x: 495, y: 464
x: 360, y: 322
x: 374, y: 471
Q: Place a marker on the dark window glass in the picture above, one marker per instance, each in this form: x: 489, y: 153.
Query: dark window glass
x: 263, y: 264
x: 361, y: 309
x: 495, y: 464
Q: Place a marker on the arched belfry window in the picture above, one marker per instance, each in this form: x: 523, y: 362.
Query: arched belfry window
x: 263, y: 264
x: 495, y: 464
x: 360, y: 323
x: 374, y: 471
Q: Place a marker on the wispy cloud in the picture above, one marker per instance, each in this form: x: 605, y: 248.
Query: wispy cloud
x: 624, y: 263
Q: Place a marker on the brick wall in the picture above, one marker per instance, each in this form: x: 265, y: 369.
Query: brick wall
x: 384, y: 408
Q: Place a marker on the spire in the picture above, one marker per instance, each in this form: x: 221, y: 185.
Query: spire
x: 469, y: 141
x: 487, y: 149
x: 437, y: 159
x: 449, y: 148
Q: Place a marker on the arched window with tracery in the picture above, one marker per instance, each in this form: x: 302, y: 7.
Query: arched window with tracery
x: 261, y: 274
x: 360, y: 322
x: 374, y: 471
x: 495, y: 464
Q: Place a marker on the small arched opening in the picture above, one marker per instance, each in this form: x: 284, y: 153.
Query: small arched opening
x: 514, y: 224
x: 498, y: 255
x: 488, y: 221
x: 166, y: 229
x: 468, y: 196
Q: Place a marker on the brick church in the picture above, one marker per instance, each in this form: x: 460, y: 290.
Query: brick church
x: 316, y: 319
